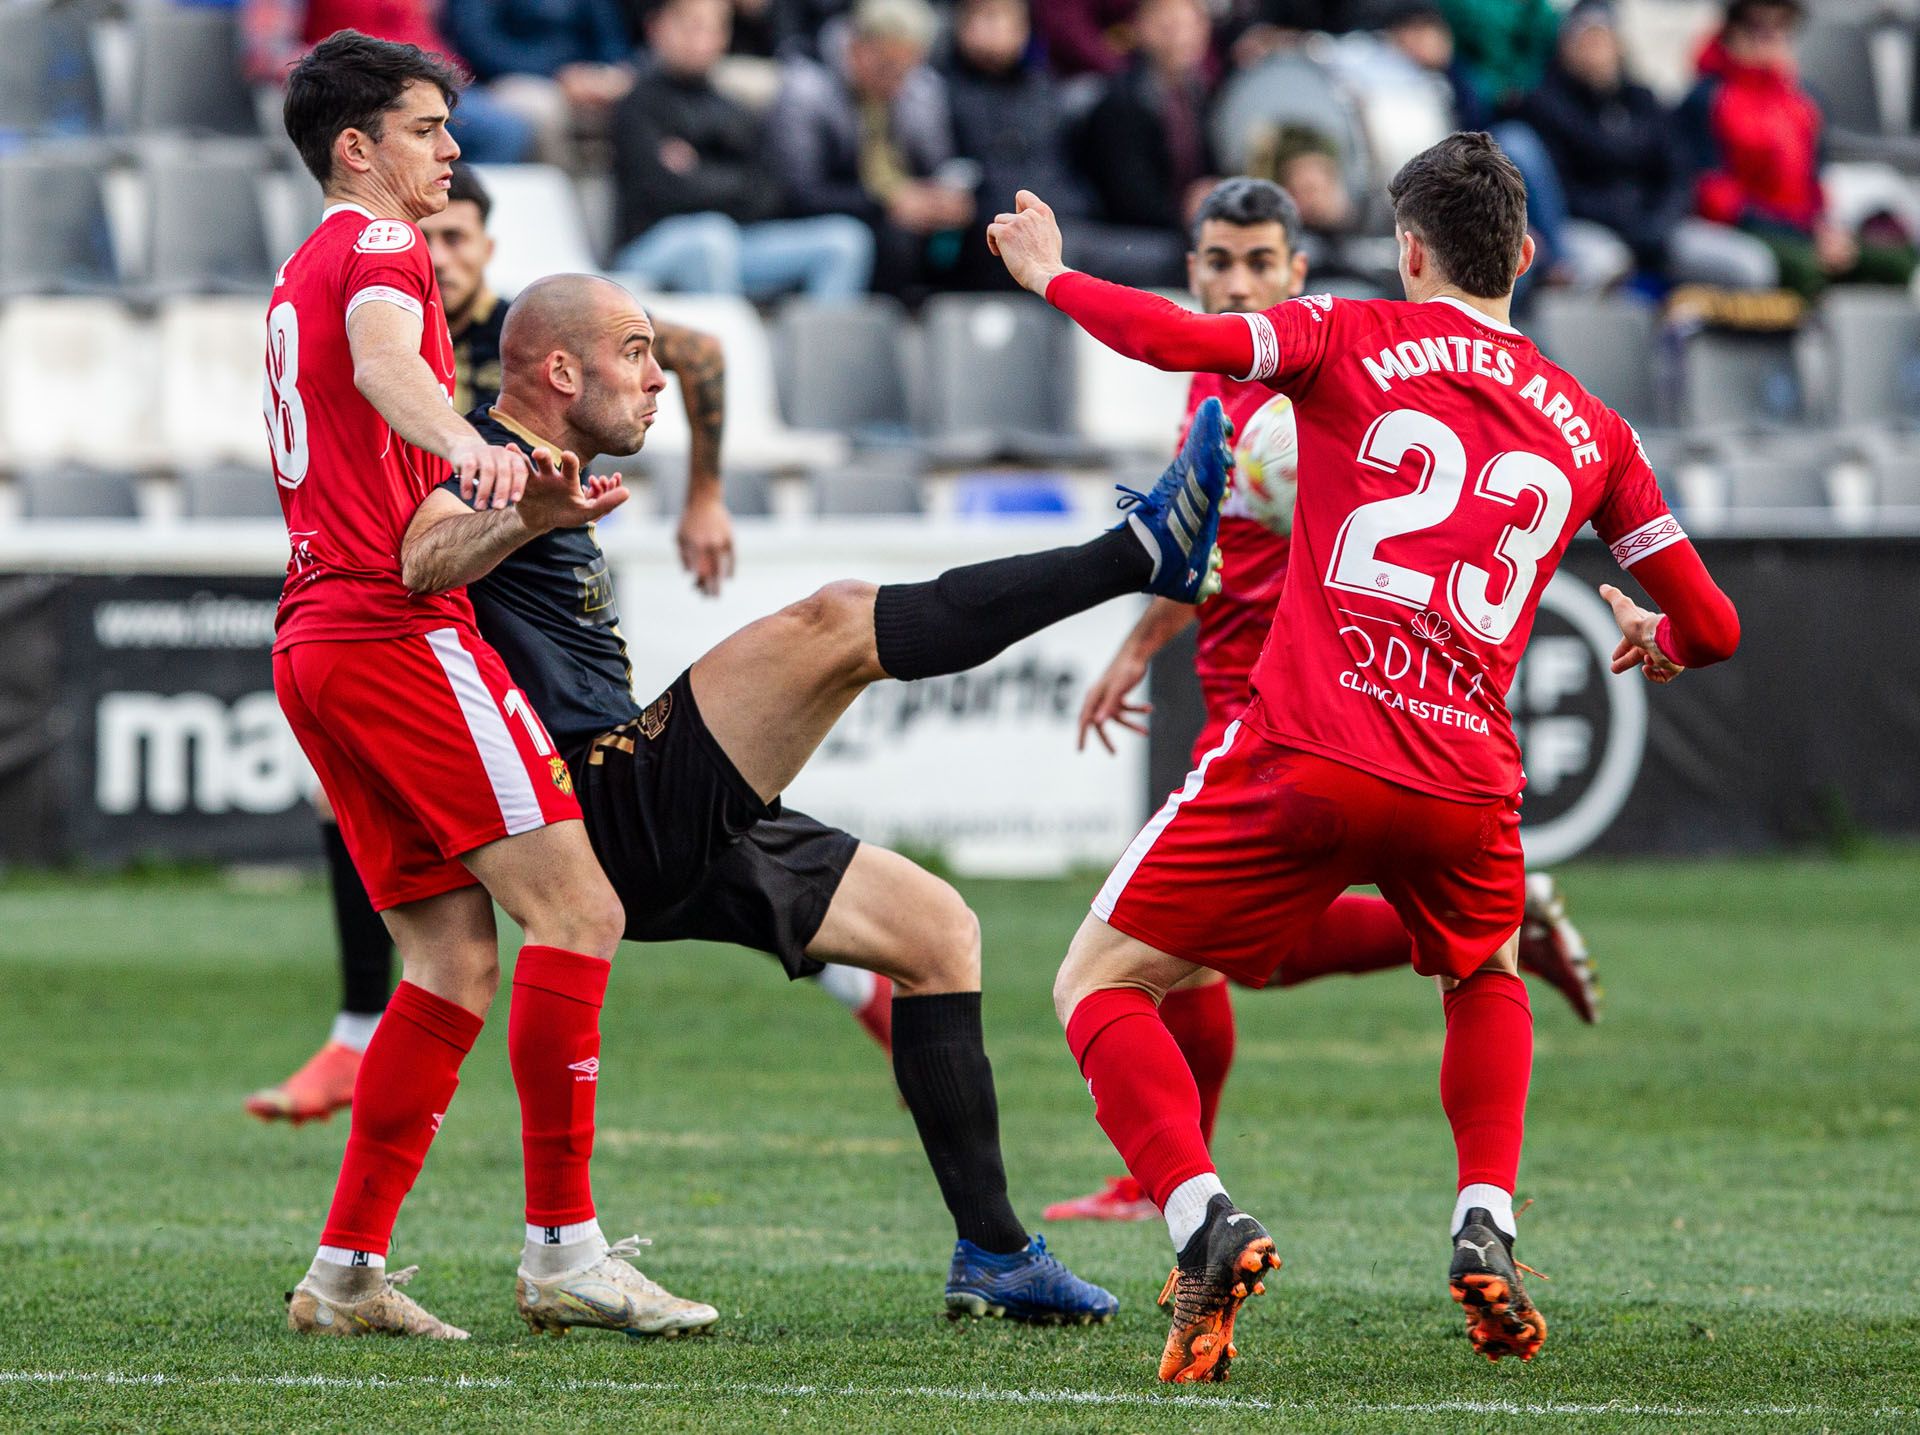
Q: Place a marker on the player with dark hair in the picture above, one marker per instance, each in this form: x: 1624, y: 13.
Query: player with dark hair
x: 1242, y: 262
x: 682, y: 797
x: 1444, y: 466
x: 441, y: 775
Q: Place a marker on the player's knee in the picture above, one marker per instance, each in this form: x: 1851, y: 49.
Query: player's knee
x: 837, y: 619
x: 955, y: 943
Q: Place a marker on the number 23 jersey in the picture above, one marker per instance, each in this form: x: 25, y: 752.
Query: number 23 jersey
x: 1444, y: 466
x: 348, y: 484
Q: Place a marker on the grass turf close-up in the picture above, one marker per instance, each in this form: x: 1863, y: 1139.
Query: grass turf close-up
x: 1723, y: 1177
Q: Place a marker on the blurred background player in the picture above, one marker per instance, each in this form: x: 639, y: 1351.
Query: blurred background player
x: 1348, y: 766
x: 1243, y: 262
x: 683, y: 797
x: 461, y: 248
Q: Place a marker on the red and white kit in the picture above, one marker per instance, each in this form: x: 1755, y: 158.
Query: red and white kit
x: 423, y: 745
x: 1444, y: 466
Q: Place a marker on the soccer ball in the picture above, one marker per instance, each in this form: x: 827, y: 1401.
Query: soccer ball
x: 1265, y: 461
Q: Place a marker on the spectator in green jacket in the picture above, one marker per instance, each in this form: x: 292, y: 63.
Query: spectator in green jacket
x: 1504, y: 44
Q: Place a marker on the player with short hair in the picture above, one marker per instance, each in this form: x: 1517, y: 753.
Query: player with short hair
x: 682, y: 797
x: 1242, y: 262
x: 1444, y: 466
x: 443, y: 779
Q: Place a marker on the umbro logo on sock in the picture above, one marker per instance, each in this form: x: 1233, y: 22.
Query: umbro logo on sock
x: 589, y: 1070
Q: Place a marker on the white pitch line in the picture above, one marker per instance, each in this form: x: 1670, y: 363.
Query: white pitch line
x: 976, y: 1395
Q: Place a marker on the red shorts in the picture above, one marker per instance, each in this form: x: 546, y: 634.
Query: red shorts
x: 426, y: 750
x: 1244, y: 858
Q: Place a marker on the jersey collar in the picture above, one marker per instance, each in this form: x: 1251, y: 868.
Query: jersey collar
x: 344, y: 207
x: 1473, y: 313
x: 526, y: 435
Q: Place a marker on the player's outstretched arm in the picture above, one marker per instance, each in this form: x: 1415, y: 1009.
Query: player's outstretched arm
x: 1698, y: 626
x: 392, y: 376
x: 705, y: 534
x: 448, y: 545
x: 1133, y: 322
x: 1108, y: 700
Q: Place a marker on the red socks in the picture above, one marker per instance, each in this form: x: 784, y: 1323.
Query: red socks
x: 1201, y: 1022
x: 1143, y: 1092
x: 407, y: 1080
x: 553, y: 1044
x: 1354, y: 935
x: 1483, y: 1075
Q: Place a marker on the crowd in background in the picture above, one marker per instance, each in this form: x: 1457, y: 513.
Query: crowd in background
x: 837, y: 146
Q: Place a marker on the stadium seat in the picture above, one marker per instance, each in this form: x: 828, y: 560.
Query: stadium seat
x: 1873, y: 344
x: 229, y: 492
x: 748, y: 492
x: 842, y: 366
x: 1124, y: 406
x: 76, y: 385
x: 77, y: 493
x: 55, y: 237
x: 187, y: 72
x: 994, y: 381
x: 1739, y: 381
x: 1611, y: 343
x: 48, y: 84
x: 538, y: 225
x: 1859, y: 60
x: 1772, y: 483
x: 206, y: 227
x: 210, y: 373
x: 845, y: 492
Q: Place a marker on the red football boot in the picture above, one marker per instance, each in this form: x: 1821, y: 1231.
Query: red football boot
x: 1120, y: 1200
x: 314, y: 1092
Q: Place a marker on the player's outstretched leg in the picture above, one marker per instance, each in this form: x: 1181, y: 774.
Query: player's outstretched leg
x: 1107, y: 997
x: 324, y: 1084
x: 1484, y: 1074
x: 890, y: 915
x: 1552, y: 948
x: 868, y: 996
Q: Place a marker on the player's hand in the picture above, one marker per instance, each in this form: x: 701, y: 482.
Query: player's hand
x: 1638, y: 647
x: 1107, y: 701
x: 705, y: 536
x: 1028, y: 242
x: 555, y: 497
x: 490, y: 476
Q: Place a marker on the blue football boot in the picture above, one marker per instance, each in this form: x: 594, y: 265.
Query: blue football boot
x: 1026, y: 1285
x: 1180, y: 519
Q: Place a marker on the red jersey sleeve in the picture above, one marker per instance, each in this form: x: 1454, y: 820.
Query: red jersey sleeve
x: 388, y: 263
x: 1699, y: 624
x: 1290, y: 342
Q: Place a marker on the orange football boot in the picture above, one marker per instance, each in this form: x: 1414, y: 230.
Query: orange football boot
x: 1220, y: 1267
x: 314, y: 1092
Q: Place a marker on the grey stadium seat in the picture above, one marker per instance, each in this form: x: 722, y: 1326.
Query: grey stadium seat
x: 48, y: 84
x: 748, y: 492
x: 1740, y: 380
x: 229, y: 493
x: 995, y: 368
x: 187, y: 72
x: 843, y: 492
x: 55, y: 237
x: 78, y: 493
x: 1612, y: 345
x: 842, y: 366
x: 206, y: 229
x: 1874, y: 348
x: 1775, y: 483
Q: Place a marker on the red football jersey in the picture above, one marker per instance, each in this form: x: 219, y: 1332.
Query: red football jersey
x: 1444, y: 465
x: 1235, y: 622
x: 348, y: 484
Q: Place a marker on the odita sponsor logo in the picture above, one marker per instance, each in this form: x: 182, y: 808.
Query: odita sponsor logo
x: 1582, y: 731
x: 172, y: 753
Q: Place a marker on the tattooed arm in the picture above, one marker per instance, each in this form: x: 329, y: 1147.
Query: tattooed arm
x: 706, y: 532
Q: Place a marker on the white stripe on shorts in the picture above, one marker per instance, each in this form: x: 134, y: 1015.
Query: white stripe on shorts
x: 1123, y: 873
x: 512, y: 788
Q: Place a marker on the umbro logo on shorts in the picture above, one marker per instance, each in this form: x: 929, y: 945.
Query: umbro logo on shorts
x: 589, y: 1070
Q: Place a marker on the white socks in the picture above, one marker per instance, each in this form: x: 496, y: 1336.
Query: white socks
x: 560, y: 1250
x: 1187, y: 1207
x: 347, y: 1275
x: 850, y: 986
x: 1496, y: 1202
x: 342, y: 1256
x: 354, y: 1028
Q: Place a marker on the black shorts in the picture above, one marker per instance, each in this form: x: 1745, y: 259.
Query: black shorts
x: 691, y: 849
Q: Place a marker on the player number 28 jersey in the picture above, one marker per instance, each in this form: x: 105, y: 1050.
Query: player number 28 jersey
x: 1444, y: 466
x: 348, y: 484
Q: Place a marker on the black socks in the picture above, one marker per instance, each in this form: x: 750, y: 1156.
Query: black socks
x: 968, y: 615
x: 940, y: 1062
x: 366, y: 948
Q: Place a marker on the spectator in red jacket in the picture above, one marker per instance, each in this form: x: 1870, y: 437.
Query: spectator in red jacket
x: 1756, y: 133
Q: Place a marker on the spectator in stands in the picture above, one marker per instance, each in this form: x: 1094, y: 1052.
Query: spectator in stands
x: 1622, y: 169
x: 1306, y: 165
x: 278, y: 32
x: 1756, y: 134
x: 1145, y: 148
x: 1087, y: 37
x: 458, y: 242
x: 1418, y: 31
x: 869, y: 133
x: 1505, y: 45
x: 1252, y: 30
x: 699, y: 202
x: 560, y: 64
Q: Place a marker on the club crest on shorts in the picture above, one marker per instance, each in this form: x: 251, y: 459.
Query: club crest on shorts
x: 562, y: 777
x: 653, y: 721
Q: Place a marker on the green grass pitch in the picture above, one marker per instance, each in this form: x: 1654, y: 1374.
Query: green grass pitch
x: 1725, y: 1173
